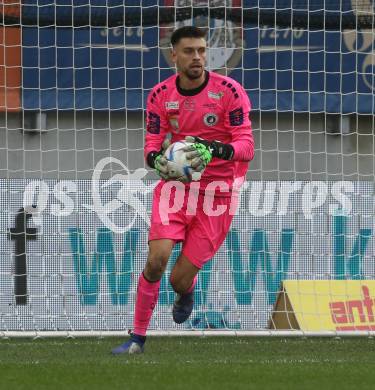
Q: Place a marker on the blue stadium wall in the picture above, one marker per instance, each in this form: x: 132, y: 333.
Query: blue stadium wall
x: 84, y: 68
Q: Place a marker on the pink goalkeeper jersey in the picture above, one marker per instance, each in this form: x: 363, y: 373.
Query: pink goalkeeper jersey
x: 217, y: 110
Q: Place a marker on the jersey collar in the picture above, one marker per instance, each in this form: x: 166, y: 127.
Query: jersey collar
x: 192, y: 92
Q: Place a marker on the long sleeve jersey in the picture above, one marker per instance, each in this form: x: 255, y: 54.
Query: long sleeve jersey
x: 217, y: 110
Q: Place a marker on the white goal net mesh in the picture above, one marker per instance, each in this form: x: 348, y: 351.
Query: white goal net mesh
x: 74, y: 76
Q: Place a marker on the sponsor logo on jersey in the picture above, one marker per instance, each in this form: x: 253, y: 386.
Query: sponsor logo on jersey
x: 215, y: 95
x: 225, y: 42
x: 210, y: 105
x: 236, y: 117
x: 189, y: 105
x: 172, y: 105
x: 153, y: 123
x: 210, y: 119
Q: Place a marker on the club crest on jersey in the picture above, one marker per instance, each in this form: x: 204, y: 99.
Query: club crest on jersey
x: 173, y: 120
x: 171, y: 105
x: 210, y: 119
x: 214, y: 95
x: 189, y: 105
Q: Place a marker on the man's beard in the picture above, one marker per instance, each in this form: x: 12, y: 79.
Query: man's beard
x: 193, y: 75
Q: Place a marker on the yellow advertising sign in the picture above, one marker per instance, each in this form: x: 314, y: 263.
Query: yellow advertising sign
x: 321, y: 305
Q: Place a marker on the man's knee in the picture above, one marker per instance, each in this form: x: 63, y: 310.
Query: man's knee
x: 183, y: 274
x: 180, y: 284
x: 156, y: 263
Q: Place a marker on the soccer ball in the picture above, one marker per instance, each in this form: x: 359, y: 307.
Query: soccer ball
x: 179, y: 166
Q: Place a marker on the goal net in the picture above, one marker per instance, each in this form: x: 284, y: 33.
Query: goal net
x: 76, y: 194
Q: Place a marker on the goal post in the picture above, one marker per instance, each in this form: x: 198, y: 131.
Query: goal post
x: 76, y: 195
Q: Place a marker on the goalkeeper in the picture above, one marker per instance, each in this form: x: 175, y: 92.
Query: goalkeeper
x: 212, y: 111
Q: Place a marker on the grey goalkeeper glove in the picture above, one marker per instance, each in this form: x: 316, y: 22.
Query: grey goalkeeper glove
x: 157, y: 161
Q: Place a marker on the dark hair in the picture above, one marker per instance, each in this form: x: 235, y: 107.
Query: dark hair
x: 186, y: 32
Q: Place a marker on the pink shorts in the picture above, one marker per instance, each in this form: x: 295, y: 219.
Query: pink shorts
x: 180, y: 215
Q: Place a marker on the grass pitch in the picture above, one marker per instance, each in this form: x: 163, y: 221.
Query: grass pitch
x: 189, y: 363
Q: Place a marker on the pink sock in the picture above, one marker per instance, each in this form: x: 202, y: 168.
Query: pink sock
x: 147, y: 297
x: 191, y: 288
